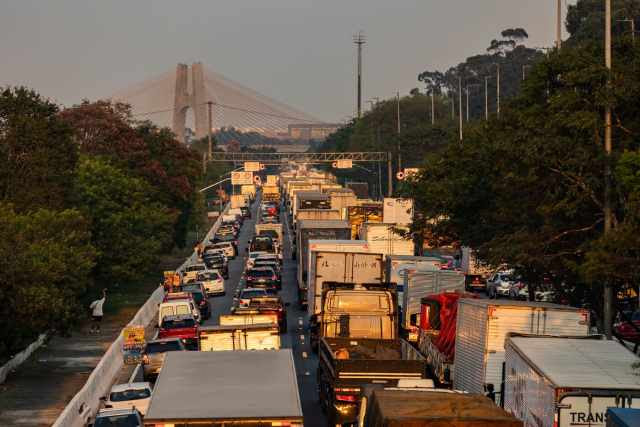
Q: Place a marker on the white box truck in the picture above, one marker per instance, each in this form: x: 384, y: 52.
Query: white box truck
x: 345, y: 261
x: 563, y: 382
x: 397, y: 265
x: 387, y: 239
x: 397, y: 211
x: 482, y: 327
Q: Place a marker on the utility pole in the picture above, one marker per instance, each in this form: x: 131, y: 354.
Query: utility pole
x: 486, y: 98
x: 467, y: 92
x: 453, y: 114
x: 498, y: 89
x: 460, y: 105
x: 608, y: 214
x: 389, y: 176
x: 524, y: 74
x: 559, y: 25
x: 433, y: 108
x: 359, y: 40
x: 398, y: 121
x: 210, y: 151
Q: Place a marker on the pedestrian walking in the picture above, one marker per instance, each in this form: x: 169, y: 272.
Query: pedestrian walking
x: 97, y: 313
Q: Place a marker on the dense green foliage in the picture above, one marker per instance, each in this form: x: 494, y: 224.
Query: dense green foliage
x: 527, y: 188
x: 89, y: 198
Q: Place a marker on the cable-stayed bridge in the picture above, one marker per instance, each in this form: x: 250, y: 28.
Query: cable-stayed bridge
x: 165, y: 99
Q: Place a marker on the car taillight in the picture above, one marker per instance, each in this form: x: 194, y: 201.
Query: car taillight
x: 346, y: 398
x: 145, y: 359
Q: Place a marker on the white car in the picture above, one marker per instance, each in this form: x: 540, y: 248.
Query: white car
x: 227, y: 248
x: 500, y: 283
x: 192, y: 271
x: 176, y: 307
x: 212, y: 281
x: 129, y: 396
x: 252, y: 257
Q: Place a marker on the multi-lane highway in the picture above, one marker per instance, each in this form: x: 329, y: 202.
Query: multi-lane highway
x: 297, y: 337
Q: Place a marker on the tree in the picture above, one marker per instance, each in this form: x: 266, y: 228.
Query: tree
x: 36, y: 151
x: 46, y: 258
x: 128, y: 227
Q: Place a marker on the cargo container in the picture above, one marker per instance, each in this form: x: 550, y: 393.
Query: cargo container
x: 310, y: 200
x: 226, y: 388
x: 272, y: 180
x: 358, y: 215
x: 238, y: 201
x: 482, y: 327
x: 396, y: 266
x: 343, y: 261
x: 398, y: 407
x: 562, y: 382
x: 397, y: 211
x: 318, y: 214
x: 270, y: 193
x: 234, y: 337
x: 315, y: 230
x: 419, y: 284
x: 387, y: 239
x: 248, y: 190
x: 342, y: 198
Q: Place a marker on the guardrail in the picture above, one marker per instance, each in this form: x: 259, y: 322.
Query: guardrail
x: 85, y: 404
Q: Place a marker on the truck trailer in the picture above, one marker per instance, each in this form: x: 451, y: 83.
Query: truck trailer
x: 563, y: 382
x: 198, y: 388
x: 481, y: 329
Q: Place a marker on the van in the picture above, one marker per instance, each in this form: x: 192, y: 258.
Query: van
x: 176, y: 307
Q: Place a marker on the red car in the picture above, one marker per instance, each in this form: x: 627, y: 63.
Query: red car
x: 182, y: 326
x: 628, y: 331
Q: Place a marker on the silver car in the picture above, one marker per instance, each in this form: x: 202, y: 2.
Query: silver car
x: 154, y: 353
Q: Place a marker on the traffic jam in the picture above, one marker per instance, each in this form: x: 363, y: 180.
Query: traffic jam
x: 310, y: 305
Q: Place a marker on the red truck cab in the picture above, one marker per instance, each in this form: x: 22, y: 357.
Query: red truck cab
x: 183, y: 326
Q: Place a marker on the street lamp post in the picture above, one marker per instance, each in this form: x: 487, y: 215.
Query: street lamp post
x: 460, y: 105
x: 608, y: 213
x: 498, y: 89
x: 486, y: 97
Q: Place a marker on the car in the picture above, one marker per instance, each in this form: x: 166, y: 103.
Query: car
x: 627, y: 326
x: 118, y: 418
x: 252, y: 257
x: 217, y: 262
x: 270, y: 304
x: 129, y: 396
x: 500, y: 283
x: 247, y: 294
x: 154, y: 352
x: 262, y: 277
x: 274, y: 265
x: 229, y: 248
x: 246, y: 212
x: 475, y: 282
x: 261, y: 244
x: 213, y: 282
x: 178, y: 303
x: 192, y: 270
x: 200, y: 297
x: 183, y: 326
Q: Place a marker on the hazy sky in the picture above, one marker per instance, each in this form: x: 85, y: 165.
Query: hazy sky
x: 297, y: 51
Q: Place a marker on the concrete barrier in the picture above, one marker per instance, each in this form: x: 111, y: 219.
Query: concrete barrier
x: 85, y: 404
x: 19, y: 358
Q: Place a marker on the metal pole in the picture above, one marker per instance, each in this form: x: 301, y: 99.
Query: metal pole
x: 453, y: 114
x: 486, y: 98
x: 608, y: 214
x: 398, y: 121
x: 390, y: 176
x: 380, y: 181
x: 559, y: 25
x: 498, y: 90
x: 460, y: 106
x: 359, y: 40
x: 433, y: 109
x: 210, y: 104
x: 467, y: 91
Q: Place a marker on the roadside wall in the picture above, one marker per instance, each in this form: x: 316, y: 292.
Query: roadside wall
x: 19, y: 358
x: 85, y: 404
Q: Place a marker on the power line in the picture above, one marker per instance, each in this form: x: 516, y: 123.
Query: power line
x: 231, y: 107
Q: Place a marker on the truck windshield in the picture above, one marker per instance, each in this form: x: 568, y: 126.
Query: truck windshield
x: 262, y: 244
